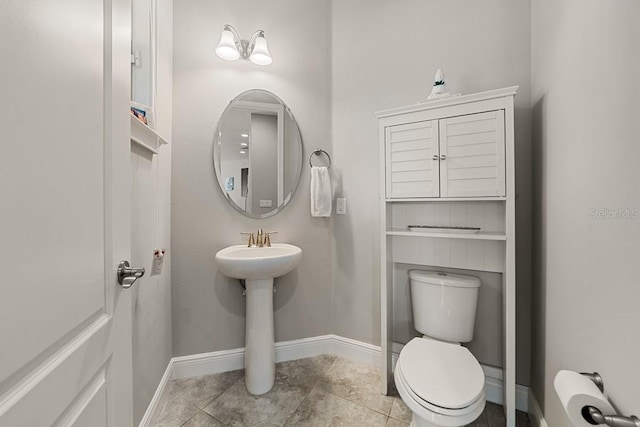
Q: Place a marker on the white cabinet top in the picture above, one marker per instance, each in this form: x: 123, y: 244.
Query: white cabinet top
x: 449, y: 102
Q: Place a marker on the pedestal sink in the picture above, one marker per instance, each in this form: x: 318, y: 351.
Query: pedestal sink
x: 258, y: 267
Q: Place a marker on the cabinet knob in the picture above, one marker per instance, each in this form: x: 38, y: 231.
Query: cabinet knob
x: 435, y: 157
x: 443, y: 157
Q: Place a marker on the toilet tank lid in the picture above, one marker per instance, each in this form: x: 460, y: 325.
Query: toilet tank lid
x: 444, y: 279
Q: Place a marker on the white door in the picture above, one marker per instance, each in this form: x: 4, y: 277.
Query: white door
x: 412, y: 160
x: 472, y: 159
x: 65, y: 323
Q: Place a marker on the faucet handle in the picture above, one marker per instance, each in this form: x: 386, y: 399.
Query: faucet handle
x: 252, y: 241
x: 267, y: 237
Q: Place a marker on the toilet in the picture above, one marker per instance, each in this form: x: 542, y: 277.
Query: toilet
x: 437, y: 378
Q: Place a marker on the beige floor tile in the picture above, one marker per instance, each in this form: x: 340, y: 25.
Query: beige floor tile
x: 294, y: 381
x: 318, y: 391
x: 174, y: 412
x: 202, y: 390
x: 321, y: 409
x: 358, y: 383
x: 392, y: 422
x: 400, y: 411
x: 202, y: 419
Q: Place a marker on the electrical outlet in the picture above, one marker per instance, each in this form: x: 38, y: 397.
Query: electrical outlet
x: 265, y: 203
x: 341, y: 206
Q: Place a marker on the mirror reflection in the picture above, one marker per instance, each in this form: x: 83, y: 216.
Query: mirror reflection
x: 258, y: 153
x: 143, y: 58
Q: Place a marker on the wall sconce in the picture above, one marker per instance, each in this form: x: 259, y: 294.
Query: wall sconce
x: 232, y: 47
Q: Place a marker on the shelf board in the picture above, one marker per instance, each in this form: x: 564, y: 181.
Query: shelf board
x: 480, y: 235
x: 449, y: 199
x: 145, y: 137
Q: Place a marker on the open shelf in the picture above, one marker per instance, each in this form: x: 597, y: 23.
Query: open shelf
x: 449, y: 199
x: 480, y: 235
x: 145, y: 137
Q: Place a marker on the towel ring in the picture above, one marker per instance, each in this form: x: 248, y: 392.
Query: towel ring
x: 319, y: 152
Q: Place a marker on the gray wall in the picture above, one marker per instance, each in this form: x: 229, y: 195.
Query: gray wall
x: 385, y: 55
x: 152, y: 342
x: 335, y: 64
x: 585, y: 68
x: 208, y: 308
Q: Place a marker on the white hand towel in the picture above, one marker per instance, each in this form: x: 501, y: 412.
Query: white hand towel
x: 320, y: 192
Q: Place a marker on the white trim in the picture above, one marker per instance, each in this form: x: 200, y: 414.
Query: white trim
x: 452, y: 100
x: 207, y: 363
x: 536, y: 415
x: 356, y: 350
x: 157, y: 396
x: 229, y: 360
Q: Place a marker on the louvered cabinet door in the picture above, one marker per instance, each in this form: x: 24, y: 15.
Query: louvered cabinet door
x: 412, y: 160
x: 472, y: 158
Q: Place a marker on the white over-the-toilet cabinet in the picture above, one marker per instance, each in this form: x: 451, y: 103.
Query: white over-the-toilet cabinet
x: 450, y: 163
x: 461, y: 156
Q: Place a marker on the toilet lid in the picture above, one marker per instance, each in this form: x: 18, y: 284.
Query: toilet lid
x: 443, y: 374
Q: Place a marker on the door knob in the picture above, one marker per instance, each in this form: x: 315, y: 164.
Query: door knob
x: 127, y: 275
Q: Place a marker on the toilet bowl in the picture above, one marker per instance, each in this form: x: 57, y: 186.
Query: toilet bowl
x: 442, y: 383
x: 437, y: 378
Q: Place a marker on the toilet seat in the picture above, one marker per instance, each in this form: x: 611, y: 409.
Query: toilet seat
x: 443, y: 376
x: 442, y: 383
x: 426, y: 406
x: 428, y: 415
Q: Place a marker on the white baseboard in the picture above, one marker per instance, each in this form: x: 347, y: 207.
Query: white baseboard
x: 157, y: 396
x: 229, y: 360
x: 207, y: 363
x: 535, y: 413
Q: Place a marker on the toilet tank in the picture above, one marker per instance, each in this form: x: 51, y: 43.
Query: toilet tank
x: 444, y: 305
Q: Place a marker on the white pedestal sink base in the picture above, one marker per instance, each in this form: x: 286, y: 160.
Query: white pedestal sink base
x: 259, y: 356
x: 258, y: 266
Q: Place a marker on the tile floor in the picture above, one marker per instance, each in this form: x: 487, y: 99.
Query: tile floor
x: 319, y: 391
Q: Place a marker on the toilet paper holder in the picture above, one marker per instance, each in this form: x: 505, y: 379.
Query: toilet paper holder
x: 593, y: 415
x: 595, y: 378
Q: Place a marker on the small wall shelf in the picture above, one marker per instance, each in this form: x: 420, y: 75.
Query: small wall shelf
x: 145, y: 137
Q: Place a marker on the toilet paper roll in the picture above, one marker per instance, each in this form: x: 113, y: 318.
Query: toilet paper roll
x: 577, y: 391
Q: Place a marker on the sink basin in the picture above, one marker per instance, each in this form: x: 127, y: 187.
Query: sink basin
x: 242, y: 262
x: 258, y: 267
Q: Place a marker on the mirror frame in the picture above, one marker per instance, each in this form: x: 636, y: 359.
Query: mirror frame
x: 216, y: 153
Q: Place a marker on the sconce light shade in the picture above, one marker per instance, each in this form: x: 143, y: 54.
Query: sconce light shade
x: 227, y: 48
x: 260, y: 54
x: 232, y: 47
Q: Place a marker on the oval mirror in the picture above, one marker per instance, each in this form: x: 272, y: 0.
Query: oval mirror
x: 257, y: 153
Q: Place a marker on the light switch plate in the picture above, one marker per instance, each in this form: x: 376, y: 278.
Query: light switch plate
x: 265, y: 203
x: 341, y: 206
